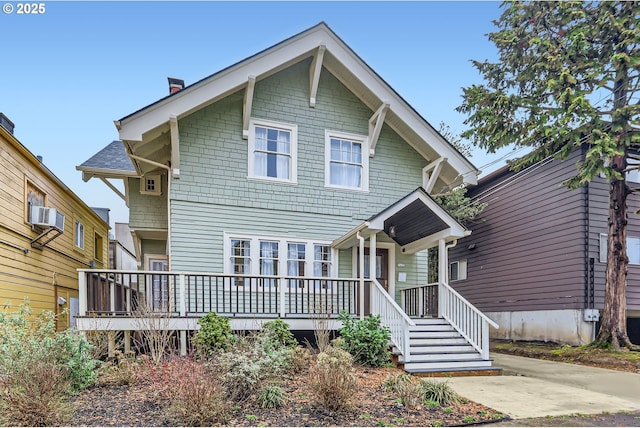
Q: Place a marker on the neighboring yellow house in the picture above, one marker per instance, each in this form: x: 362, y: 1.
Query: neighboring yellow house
x: 46, y: 233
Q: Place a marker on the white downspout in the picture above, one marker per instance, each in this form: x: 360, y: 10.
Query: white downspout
x: 446, y: 258
x: 361, y: 270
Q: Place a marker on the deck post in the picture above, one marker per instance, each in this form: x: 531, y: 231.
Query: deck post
x: 442, y: 273
x: 112, y: 295
x: 281, y: 283
x: 127, y: 341
x: 82, y: 293
x: 183, y: 343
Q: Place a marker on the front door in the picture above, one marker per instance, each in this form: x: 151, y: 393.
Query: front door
x: 382, y: 266
x: 382, y: 273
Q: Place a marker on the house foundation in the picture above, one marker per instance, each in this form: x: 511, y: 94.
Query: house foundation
x: 565, y: 326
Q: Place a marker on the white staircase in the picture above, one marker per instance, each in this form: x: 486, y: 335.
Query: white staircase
x: 437, y: 348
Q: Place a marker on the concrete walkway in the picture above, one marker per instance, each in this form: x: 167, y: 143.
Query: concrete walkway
x: 532, y: 388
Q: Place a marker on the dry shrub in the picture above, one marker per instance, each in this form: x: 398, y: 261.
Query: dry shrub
x: 153, y: 333
x: 124, y: 369
x: 197, y: 397
x: 333, y: 379
x: 406, y: 389
x: 35, y: 396
x: 299, y: 359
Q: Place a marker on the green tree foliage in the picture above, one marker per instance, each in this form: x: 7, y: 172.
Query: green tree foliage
x: 568, y: 75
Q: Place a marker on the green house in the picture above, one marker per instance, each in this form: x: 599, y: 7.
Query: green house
x: 294, y: 183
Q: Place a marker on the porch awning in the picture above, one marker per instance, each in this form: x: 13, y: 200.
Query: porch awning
x: 415, y: 222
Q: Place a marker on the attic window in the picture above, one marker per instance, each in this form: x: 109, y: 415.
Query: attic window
x: 150, y: 185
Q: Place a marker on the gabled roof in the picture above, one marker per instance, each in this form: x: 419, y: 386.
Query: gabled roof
x: 415, y: 222
x: 111, y: 161
x: 340, y: 61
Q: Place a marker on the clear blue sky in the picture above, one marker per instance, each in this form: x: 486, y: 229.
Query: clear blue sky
x: 68, y: 74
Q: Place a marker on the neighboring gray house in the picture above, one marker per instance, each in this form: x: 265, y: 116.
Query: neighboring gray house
x: 291, y: 184
x: 535, y: 262
x: 122, y: 253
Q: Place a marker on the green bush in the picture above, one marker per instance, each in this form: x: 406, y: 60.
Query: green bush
x: 277, y: 334
x: 333, y: 379
x: 39, y: 367
x: 367, y: 340
x: 248, y: 362
x: 214, y: 334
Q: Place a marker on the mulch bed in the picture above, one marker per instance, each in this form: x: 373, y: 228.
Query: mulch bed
x: 135, y: 405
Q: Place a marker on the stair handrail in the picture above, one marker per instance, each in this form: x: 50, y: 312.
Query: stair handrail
x: 464, y: 317
x: 393, y: 317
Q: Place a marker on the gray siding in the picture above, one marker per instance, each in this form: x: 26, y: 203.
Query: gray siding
x: 529, y: 243
x: 598, y: 218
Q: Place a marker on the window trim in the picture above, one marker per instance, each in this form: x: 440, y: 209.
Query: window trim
x: 461, y: 270
x: 251, y: 148
x: 77, y: 223
x: 143, y: 184
x: 98, y: 237
x: 602, y: 249
x: 283, y: 249
x: 27, y: 208
x: 356, y: 138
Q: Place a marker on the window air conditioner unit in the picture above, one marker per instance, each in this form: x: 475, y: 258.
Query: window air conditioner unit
x: 47, y: 217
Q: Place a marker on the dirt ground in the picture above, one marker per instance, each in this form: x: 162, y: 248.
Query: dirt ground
x: 112, y: 405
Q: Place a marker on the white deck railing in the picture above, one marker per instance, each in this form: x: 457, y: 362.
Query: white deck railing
x: 472, y: 324
x: 393, y: 317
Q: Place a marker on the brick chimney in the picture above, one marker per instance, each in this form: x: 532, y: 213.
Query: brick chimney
x: 175, y: 85
x: 6, y: 123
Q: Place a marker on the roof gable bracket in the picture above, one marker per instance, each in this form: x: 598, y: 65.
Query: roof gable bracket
x: 375, y: 125
x: 314, y: 74
x: 431, y: 172
x: 246, y: 106
x: 175, y: 146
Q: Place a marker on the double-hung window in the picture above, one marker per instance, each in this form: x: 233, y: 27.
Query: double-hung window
x: 273, y: 151
x: 282, y: 257
x: 322, y: 264
x: 296, y: 255
x: 79, y: 234
x: 269, y: 261
x: 346, y: 161
x: 240, y: 259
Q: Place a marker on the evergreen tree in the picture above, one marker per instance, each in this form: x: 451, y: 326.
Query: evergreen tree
x: 568, y: 74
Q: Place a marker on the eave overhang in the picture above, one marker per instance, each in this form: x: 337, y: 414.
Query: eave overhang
x: 415, y: 222
x: 136, y: 129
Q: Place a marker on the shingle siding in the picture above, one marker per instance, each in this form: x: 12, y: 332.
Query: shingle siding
x: 214, y: 195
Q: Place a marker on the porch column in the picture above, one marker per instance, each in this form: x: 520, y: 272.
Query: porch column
x: 361, y: 270
x: 372, y: 269
x: 442, y: 273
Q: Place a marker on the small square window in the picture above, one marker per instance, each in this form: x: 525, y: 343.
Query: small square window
x: 458, y: 270
x: 151, y: 185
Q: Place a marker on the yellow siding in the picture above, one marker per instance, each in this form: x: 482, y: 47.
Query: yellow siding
x: 41, y: 275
